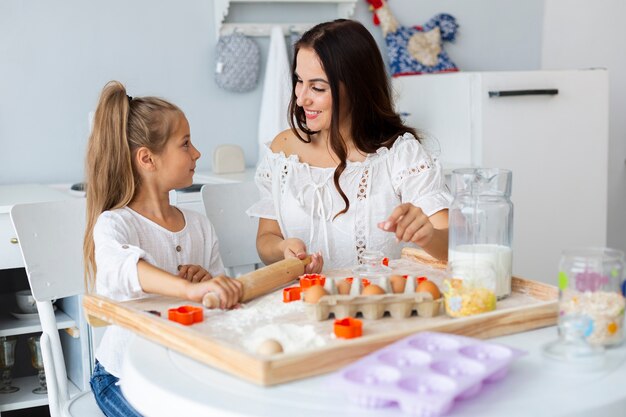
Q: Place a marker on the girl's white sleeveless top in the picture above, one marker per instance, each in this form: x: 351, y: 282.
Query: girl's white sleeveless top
x: 303, y: 199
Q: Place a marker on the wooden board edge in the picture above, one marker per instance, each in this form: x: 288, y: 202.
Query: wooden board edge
x: 286, y: 368
x: 482, y: 326
x: 535, y: 289
x: 178, y: 337
x: 422, y: 257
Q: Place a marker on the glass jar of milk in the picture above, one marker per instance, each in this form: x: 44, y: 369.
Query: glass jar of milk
x: 481, y: 221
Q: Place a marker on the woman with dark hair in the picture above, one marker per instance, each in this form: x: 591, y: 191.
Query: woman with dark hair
x: 348, y: 176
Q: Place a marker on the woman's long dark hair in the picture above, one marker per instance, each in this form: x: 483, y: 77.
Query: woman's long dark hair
x: 350, y: 56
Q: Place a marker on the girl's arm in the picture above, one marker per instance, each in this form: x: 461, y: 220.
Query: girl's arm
x: 156, y: 281
x: 273, y: 247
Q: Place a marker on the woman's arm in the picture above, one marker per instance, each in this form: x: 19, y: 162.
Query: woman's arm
x: 410, y: 224
x: 438, y: 245
x: 272, y: 247
x: 269, y: 241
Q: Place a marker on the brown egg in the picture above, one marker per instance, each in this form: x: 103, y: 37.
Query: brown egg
x: 343, y: 288
x: 398, y: 282
x: 314, y: 293
x: 429, y: 286
x: 269, y: 347
x: 372, y: 289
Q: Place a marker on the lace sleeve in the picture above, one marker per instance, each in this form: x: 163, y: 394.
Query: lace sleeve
x: 418, y: 178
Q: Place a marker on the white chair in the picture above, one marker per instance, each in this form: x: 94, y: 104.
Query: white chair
x: 226, y: 206
x: 51, y: 241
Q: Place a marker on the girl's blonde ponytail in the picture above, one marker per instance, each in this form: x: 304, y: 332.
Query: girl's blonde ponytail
x: 121, y: 125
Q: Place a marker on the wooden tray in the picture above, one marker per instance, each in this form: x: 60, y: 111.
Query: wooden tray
x: 220, y: 340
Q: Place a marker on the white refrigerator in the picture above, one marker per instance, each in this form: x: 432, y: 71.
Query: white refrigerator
x: 549, y: 127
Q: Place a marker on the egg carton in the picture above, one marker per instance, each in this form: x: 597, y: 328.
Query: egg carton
x: 424, y: 374
x: 373, y: 307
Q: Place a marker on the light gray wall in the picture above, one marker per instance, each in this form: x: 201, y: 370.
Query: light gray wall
x: 494, y: 35
x: 56, y: 56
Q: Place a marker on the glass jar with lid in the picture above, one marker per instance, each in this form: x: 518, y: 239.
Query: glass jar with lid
x: 481, y: 221
x: 591, y: 305
x: 590, y: 282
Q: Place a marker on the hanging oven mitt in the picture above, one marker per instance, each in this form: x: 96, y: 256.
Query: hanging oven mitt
x: 238, y: 63
x: 415, y: 49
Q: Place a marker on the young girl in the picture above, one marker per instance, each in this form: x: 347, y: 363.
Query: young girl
x: 136, y: 243
x: 349, y: 176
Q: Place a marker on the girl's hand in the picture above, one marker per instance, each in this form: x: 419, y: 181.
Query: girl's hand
x: 228, y: 290
x: 194, y: 273
x: 295, y: 248
x: 410, y: 224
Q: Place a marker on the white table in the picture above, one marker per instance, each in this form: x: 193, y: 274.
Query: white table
x: 161, y: 382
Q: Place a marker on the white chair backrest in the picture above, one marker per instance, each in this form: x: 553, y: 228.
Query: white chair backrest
x: 50, y: 235
x: 51, y: 241
x: 226, y: 206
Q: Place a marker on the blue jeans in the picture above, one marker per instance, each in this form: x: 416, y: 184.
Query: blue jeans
x: 109, y: 395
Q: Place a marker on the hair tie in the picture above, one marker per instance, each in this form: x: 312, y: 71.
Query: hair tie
x: 130, y: 98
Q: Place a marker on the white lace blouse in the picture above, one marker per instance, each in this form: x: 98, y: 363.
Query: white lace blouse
x: 303, y: 199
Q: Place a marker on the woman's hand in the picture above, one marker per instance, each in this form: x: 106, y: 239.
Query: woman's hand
x: 194, y: 273
x: 295, y: 248
x: 410, y: 224
x: 228, y: 290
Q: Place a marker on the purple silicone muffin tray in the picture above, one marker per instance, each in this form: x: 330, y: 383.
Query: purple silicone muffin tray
x: 425, y: 373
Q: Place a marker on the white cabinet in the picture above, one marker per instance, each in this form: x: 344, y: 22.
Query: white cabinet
x: 73, y: 328
x: 193, y: 200
x: 10, y: 256
x: 555, y: 142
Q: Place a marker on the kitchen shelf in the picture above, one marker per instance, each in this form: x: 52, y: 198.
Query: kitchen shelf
x: 345, y: 9
x: 10, y: 326
x: 24, y: 398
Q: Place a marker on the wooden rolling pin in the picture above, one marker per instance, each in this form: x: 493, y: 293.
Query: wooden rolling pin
x: 264, y: 280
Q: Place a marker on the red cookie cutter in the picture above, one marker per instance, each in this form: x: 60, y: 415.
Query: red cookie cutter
x: 348, y: 328
x: 308, y: 280
x: 186, y: 314
x: 291, y: 294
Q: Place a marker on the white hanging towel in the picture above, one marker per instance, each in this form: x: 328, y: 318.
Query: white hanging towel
x: 276, y: 90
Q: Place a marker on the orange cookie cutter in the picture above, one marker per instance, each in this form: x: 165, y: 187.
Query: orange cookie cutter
x: 186, y: 314
x: 348, y: 328
x: 308, y: 280
x: 417, y: 279
x: 291, y: 294
x: 364, y: 281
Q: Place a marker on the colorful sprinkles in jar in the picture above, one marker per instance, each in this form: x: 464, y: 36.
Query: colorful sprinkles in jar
x: 604, y: 308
